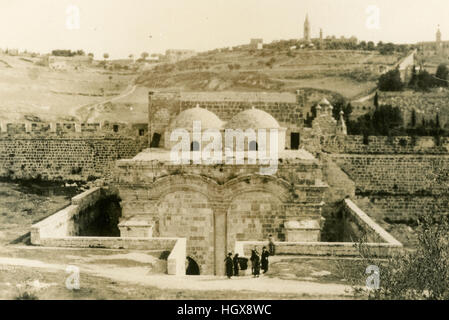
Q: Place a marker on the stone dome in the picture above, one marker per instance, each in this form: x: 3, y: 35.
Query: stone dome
x: 253, y: 119
x: 208, y: 119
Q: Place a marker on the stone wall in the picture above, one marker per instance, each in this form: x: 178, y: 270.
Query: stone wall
x: 341, y: 249
x: 286, y: 108
x: 397, y: 174
x: 385, y: 145
x: 61, y: 152
x: 358, y: 225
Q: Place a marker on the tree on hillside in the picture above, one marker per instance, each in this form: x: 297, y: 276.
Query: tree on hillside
x: 339, y: 106
x: 90, y: 55
x: 384, y: 121
x: 425, y: 80
x: 442, y: 75
x: 413, y: 120
x: 387, y: 49
x: 391, y: 81
x: 370, y: 46
x: 413, y: 83
x: 376, y: 100
x: 386, y: 118
x: 106, y: 56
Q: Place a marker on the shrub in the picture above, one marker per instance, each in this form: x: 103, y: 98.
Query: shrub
x: 420, y: 274
x: 391, y: 81
x: 26, y: 296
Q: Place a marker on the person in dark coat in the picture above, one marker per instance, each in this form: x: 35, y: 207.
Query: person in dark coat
x: 271, y: 246
x: 236, y: 264
x: 255, y: 261
x: 264, y: 259
x: 229, y: 264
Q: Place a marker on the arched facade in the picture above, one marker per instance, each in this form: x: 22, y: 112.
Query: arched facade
x: 212, y: 215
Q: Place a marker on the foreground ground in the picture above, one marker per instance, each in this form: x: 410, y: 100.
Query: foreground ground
x: 121, y: 274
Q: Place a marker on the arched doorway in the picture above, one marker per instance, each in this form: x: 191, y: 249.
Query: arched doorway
x: 188, y: 214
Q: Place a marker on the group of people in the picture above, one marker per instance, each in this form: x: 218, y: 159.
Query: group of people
x: 258, y: 261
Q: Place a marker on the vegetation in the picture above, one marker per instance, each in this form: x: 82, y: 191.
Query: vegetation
x: 419, y: 81
x: 391, y: 81
x: 422, y: 274
x: 67, y: 53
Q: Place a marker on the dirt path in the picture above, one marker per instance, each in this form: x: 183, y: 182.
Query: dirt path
x: 141, y: 276
x: 85, y: 111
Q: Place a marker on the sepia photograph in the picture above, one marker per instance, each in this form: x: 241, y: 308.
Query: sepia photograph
x: 224, y: 151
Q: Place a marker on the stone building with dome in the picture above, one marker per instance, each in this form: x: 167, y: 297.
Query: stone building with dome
x: 215, y: 206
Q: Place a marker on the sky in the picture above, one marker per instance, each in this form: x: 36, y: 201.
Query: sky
x: 124, y: 27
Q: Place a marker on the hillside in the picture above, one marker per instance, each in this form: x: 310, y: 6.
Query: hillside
x: 346, y: 72
x: 32, y: 92
x: 29, y: 92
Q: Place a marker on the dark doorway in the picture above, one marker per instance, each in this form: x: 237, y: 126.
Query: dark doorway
x: 192, y: 267
x: 294, y: 144
x: 194, y: 146
x: 155, y: 140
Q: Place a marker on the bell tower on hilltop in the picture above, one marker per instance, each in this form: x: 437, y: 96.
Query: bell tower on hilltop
x: 307, y: 29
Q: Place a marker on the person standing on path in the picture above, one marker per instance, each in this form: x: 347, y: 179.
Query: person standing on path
x: 235, y: 261
x: 271, y: 246
x: 264, y: 260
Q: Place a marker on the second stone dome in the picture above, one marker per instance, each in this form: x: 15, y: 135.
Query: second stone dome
x: 253, y: 119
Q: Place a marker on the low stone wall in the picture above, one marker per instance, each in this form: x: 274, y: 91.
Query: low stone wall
x: 176, y: 262
x: 357, y: 224
x: 110, y: 243
x: 379, y: 242
x: 62, y: 223
x: 61, y: 230
x: 319, y: 248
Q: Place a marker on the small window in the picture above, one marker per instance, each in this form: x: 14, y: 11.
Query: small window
x: 141, y: 132
x: 115, y: 128
x: 194, y: 146
x: 294, y: 141
x: 253, y: 146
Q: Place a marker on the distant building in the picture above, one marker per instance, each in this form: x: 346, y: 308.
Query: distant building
x: 434, y: 48
x: 307, y: 29
x: 256, y: 44
x: 13, y: 52
x: 175, y: 55
x: 66, y: 63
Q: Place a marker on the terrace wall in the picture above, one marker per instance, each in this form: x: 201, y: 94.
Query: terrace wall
x: 66, y: 151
